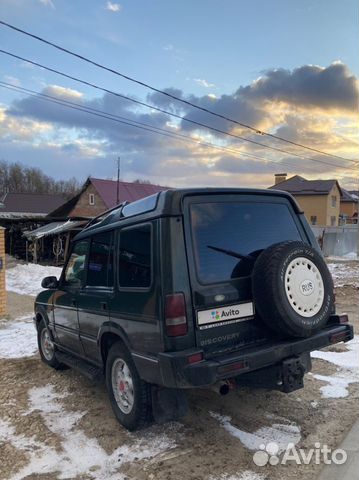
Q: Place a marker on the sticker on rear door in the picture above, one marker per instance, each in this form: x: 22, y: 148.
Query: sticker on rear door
x: 223, y: 314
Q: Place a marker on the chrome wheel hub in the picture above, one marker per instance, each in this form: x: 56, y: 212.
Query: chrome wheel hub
x: 122, y: 385
x: 304, y: 287
x: 47, y: 345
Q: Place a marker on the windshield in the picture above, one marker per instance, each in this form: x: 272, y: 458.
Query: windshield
x: 224, y: 231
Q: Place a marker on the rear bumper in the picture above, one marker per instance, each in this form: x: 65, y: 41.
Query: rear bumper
x: 176, y: 372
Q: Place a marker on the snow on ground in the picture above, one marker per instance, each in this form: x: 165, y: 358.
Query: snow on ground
x: 25, y: 279
x: 246, y: 475
x: 348, y: 371
x: 18, y: 338
x: 344, y: 273
x: 92, y: 461
x: 280, y: 433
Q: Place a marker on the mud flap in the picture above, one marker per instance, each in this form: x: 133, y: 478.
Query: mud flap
x: 168, y: 404
x: 292, y: 374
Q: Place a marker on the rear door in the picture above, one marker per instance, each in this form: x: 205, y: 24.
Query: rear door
x: 224, y: 236
x: 93, y: 300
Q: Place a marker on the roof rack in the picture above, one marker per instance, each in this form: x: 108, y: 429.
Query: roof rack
x: 105, y: 214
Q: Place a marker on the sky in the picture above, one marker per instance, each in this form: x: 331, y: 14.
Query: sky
x: 283, y: 67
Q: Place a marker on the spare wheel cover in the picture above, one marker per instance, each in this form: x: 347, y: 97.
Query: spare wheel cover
x: 304, y: 287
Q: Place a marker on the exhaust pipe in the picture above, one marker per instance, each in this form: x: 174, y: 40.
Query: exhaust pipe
x: 221, y: 387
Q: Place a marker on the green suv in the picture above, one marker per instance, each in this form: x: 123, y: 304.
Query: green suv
x: 190, y: 288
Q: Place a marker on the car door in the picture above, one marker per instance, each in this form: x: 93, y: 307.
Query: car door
x: 93, y: 299
x: 136, y: 306
x: 66, y: 297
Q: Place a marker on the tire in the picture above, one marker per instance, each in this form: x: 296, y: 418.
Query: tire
x: 292, y: 289
x: 47, y: 352
x: 130, y: 396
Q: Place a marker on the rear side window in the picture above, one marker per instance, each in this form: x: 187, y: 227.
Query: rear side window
x: 135, y: 257
x: 100, y: 264
x: 223, y: 232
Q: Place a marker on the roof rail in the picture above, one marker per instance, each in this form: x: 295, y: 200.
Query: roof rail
x: 104, y: 214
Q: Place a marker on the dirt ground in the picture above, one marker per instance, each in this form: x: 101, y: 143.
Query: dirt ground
x: 203, y: 449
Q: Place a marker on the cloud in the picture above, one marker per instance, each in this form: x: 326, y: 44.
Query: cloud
x: 47, y: 3
x: 113, y: 7
x: 283, y: 103
x: 62, y: 92
x: 309, y: 86
x: 12, y: 80
x: 204, y: 83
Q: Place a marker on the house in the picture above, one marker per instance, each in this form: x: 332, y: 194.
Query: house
x: 98, y: 195
x: 24, y: 211
x: 349, y: 207
x: 319, y: 199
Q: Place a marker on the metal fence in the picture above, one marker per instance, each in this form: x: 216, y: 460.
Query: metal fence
x: 337, y: 241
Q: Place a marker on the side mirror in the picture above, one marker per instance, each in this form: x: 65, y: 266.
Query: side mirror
x: 49, y: 282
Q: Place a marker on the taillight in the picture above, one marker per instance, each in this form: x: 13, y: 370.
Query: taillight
x: 175, y: 315
x: 195, y: 358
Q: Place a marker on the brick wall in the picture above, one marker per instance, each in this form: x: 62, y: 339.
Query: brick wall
x: 83, y: 207
x: 2, y: 273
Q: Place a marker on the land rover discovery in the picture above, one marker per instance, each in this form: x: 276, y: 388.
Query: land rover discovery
x: 190, y: 288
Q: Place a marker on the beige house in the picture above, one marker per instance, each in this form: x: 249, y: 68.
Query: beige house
x: 349, y: 207
x: 319, y: 199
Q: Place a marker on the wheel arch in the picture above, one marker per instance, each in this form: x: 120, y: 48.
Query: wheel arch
x: 108, y: 336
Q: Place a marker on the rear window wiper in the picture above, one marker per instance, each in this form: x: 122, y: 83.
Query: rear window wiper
x: 231, y: 253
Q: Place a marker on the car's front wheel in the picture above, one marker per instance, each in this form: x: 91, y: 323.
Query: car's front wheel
x: 46, y: 347
x: 129, y: 395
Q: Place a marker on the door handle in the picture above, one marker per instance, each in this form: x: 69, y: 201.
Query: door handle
x: 73, y: 302
x: 103, y: 305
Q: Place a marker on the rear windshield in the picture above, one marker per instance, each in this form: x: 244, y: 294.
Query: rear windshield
x: 228, y: 236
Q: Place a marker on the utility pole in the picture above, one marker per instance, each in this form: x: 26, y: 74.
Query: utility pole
x: 118, y: 179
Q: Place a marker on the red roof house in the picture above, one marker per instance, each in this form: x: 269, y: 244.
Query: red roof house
x: 98, y: 195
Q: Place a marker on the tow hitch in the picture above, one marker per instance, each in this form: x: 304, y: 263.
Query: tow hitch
x: 292, y: 374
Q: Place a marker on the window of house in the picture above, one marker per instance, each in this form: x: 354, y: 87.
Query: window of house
x: 313, y: 219
x: 74, y: 275
x: 333, y: 221
x: 100, y: 264
x: 135, y: 262
x: 91, y: 199
x: 334, y: 201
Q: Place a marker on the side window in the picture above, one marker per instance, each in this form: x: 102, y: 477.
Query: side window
x: 74, y: 275
x: 135, y: 252
x: 100, y: 264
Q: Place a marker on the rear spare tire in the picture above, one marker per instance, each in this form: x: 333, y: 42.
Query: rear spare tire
x: 293, y: 290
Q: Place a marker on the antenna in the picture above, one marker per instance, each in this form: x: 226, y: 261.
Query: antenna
x: 118, y: 179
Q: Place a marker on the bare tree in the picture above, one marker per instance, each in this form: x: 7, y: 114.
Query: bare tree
x: 16, y: 177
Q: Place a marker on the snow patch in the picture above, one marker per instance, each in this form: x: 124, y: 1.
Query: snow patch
x: 246, y: 475
x: 348, y: 371
x: 79, y: 455
x: 25, y: 279
x: 280, y: 433
x: 18, y: 338
x: 345, y: 273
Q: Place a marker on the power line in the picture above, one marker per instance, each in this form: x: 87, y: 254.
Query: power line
x: 152, y: 107
x: 136, y: 124
x: 170, y: 95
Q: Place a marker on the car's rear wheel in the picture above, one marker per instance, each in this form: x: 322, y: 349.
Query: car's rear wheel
x: 130, y: 396
x: 46, y: 347
x: 292, y: 289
